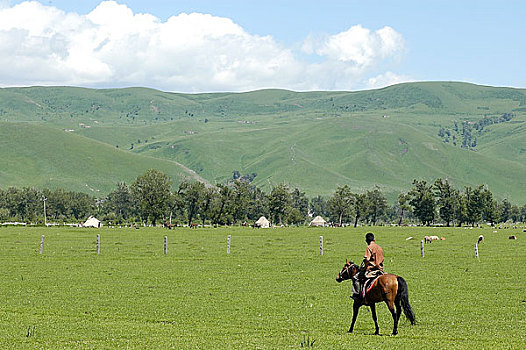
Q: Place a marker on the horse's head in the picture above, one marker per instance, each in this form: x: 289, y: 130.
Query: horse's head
x: 348, y: 270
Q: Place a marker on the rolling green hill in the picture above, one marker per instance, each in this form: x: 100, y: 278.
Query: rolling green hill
x: 313, y: 140
x: 36, y: 155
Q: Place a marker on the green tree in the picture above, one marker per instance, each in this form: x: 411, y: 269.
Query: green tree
x: 515, y: 213
x: 423, y: 201
x: 460, y: 209
x: 474, y: 204
x: 377, y: 204
x: 152, y: 193
x: 193, y: 193
x: 4, y: 214
x: 403, y: 206
x: 241, y: 197
x: 360, y: 207
x: 222, y: 208
x: 121, y: 201
x: 57, y: 204
x: 81, y: 205
x: 258, y: 204
x: 294, y: 216
x: 445, y: 194
x: 14, y: 203
x: 209, y: 196
x: 176, y: 206
x: 505, y: 210
x: 490, y: 211
x: 300, y: 202
x: 341, y: 204
x: 523, y: 213
x: 280, y: 203
x: 22, y: 204
x: 33, y: 206
x: 319, y: 206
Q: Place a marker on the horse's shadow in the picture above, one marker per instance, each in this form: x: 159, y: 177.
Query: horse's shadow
x: 375, y: 335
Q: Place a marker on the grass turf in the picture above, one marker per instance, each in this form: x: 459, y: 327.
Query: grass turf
x: 272, y: 291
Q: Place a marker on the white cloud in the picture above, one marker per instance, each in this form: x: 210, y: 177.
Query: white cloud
x: 359, y: 45
x: 386, y: 79
x: 112, y: 46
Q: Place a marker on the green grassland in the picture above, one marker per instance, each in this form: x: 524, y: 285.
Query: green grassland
x: 37, y: 155
x: 312, y: 140
x: 271, y: 292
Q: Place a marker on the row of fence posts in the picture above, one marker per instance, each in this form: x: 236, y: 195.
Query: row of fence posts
x: 98, y: 244
x: 422, y: 249
x: 229, y: 238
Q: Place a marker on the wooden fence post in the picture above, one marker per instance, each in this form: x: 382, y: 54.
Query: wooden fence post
x: 228, y: 245
x: 42, y: 244
x: 321, y: 245
x: 165, y: 245
x: 98, y: 244
x: 422, y: 248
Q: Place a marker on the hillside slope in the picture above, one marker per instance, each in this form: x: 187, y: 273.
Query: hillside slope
x: 314, y: 140
x: 35, y: 155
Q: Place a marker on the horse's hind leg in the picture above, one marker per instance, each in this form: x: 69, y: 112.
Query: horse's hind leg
x: 355, y: 309
x: 373, y: 312
x: 398, y: 306
x: 390, y: 306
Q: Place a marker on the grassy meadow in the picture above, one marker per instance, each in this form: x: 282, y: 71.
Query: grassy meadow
x: 273, y: 291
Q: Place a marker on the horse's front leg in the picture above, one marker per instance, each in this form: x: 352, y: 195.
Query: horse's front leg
x: 355, y: 308
x: 373, y: 312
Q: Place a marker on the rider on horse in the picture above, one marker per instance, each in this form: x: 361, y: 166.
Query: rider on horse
x: 374, y: 265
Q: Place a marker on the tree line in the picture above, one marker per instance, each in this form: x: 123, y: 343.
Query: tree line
x: 150, y: 199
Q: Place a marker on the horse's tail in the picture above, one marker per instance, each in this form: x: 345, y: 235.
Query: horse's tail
x: 403, y: 297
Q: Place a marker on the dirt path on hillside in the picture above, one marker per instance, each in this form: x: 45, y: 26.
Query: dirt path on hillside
x: 301, y: 155
x: 192, y: 173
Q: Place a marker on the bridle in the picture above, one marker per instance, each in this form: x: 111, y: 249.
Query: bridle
x: 347, y: 270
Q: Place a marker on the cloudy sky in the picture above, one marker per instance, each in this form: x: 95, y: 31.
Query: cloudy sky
x: 241, y: 45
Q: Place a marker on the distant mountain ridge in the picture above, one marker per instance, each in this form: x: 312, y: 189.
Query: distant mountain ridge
x: 311, y: 140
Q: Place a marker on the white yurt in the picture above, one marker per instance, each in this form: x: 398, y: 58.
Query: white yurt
x: 92, y: 222
x: 318, y: 221
x: 262, y: 222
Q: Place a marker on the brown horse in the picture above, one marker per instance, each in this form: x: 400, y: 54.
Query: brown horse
x: 389, y: 288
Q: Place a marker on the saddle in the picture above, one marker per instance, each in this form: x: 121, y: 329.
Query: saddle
x: 372, y: 276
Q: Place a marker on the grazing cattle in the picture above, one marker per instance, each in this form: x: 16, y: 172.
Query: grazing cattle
x: 168, y: 225
x: 429, y: 239
x: 481, y: 239
x: 512, y: 237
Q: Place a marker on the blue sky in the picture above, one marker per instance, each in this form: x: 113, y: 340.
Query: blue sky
x: 245, y: 45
